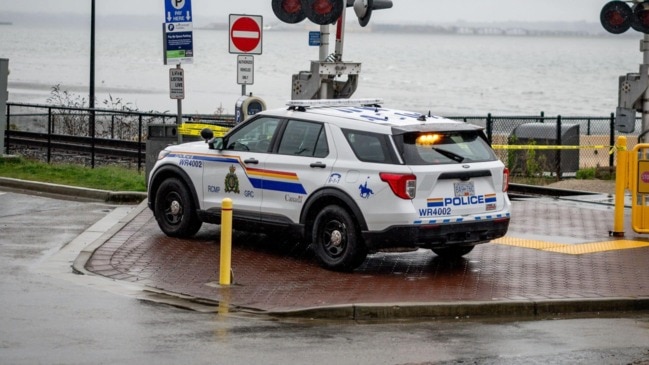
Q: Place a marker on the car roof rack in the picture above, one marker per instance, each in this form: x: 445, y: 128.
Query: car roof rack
x: 303, y: 104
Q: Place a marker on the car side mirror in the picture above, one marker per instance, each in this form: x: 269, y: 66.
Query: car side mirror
x: 207, y: 134
x: 215, y: 143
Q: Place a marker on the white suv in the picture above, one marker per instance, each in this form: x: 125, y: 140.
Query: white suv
x: 347, y: 176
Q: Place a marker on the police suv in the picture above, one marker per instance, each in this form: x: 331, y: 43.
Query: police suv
x: 348, y: 176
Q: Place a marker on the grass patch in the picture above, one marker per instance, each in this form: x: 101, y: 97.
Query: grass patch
x: 111, y: 178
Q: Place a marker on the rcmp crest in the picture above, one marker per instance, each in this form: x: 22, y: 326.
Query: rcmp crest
x: 232, y: 181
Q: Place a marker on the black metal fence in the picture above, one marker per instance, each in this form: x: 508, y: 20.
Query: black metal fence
x: 529, y: 145
x: 557, y: 146
x: 88, y: 136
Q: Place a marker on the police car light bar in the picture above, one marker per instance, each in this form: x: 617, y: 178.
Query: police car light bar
x: 333, y: 102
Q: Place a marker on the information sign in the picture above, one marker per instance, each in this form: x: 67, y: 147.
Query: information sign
x: 178, y: 11
x: 245, y: 70
x: 314, y: 38
x: 178, y: 43
x: 176, y: 83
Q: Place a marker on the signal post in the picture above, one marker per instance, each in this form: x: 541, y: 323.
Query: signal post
x: 633, y: 96
x: 320, y: 81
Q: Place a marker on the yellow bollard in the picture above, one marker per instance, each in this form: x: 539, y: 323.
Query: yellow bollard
x: 621, y: 182
x: 226, y: 241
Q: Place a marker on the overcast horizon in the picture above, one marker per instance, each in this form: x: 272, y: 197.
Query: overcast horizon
x: 403, y: 11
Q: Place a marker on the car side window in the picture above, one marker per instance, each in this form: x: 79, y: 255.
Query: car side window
x: 369, y: 147
x: 304, y: 139
x: 255, y: 136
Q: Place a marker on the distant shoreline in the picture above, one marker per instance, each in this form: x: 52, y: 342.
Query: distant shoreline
x: 6, y: 23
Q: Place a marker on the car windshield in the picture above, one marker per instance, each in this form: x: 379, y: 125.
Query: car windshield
x: 432, y: 148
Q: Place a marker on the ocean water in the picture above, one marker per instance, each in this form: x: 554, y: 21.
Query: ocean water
x: 445, y: 74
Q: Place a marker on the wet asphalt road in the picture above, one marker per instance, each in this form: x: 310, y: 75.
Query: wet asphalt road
x: 50, y: 315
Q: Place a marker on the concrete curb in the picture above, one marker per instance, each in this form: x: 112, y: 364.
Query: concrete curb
x: 463, y: 310
x: 115, y: 197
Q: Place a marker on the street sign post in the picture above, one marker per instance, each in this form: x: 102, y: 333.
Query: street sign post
x: 4, y: 95
x: 246, y: 34
x: 176, y: 83
x: 178, y: 48
x: 245, y: 70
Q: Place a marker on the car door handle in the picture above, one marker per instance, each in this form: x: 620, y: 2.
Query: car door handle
x: 251, y: 161
x: 318, y: 164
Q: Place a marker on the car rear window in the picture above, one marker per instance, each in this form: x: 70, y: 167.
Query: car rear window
x: 432, y: 148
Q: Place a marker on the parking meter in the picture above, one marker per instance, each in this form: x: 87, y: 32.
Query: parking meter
x: 247, y: 106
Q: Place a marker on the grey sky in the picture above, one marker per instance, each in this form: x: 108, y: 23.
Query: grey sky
x: 419, y: 11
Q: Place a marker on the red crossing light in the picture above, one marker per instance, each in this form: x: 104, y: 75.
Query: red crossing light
x: 323, y: 12
x: 289, y: 11
x: 640, y: 19
x: 616, y: 17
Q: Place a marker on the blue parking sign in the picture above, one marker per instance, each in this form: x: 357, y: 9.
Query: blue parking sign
x: 178, y: 11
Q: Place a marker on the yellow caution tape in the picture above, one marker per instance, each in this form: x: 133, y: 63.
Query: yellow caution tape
x: 194, y: 129
x: 544, y: 147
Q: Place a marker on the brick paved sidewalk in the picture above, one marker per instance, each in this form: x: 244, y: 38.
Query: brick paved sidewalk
x: 283, y: 277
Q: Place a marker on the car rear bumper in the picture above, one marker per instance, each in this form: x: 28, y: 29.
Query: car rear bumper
x: 437, y: 235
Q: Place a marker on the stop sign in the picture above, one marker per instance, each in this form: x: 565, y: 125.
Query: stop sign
x: 245, y: 34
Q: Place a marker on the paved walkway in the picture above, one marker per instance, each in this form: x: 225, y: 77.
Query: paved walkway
x: 526, y: 273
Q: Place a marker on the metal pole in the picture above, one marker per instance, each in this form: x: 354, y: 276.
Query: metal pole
x: 324, y: 42
x: 621, y: 182
x: 225, y: 269
x: 340, y: 36
x: 91, y: 98
x: 324, y: 53
x: 179, y: 117
x: 558, y: 152
x: 4, y: 95
x: 644, y: 48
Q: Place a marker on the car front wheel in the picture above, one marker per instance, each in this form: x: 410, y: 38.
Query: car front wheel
x: 174, y: 209
x: 336, y: 240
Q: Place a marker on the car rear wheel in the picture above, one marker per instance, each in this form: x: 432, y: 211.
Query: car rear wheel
x: 336, y: 240
x: 174, y: 209
x: 453, y: 252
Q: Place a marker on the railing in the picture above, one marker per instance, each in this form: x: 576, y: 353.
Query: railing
x: 557, y: 146
x: 88, y: 132
x: 529, y: 145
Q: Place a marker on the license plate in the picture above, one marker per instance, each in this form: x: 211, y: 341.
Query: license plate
x: 464, y: 189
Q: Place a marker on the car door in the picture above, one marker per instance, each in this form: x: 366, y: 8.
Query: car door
x: 233, y: 172
x: 302, y: 163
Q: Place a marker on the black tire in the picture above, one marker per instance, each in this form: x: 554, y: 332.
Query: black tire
x: 453, y: 252
x: 336, y: 240
x: 174, y: 209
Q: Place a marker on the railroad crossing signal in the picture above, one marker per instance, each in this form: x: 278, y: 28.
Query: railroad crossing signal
x: 323, y: 12
x: 618, y: 16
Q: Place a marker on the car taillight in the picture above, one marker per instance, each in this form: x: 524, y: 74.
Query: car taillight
x: 505, y: 180
x: 403, y: 185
